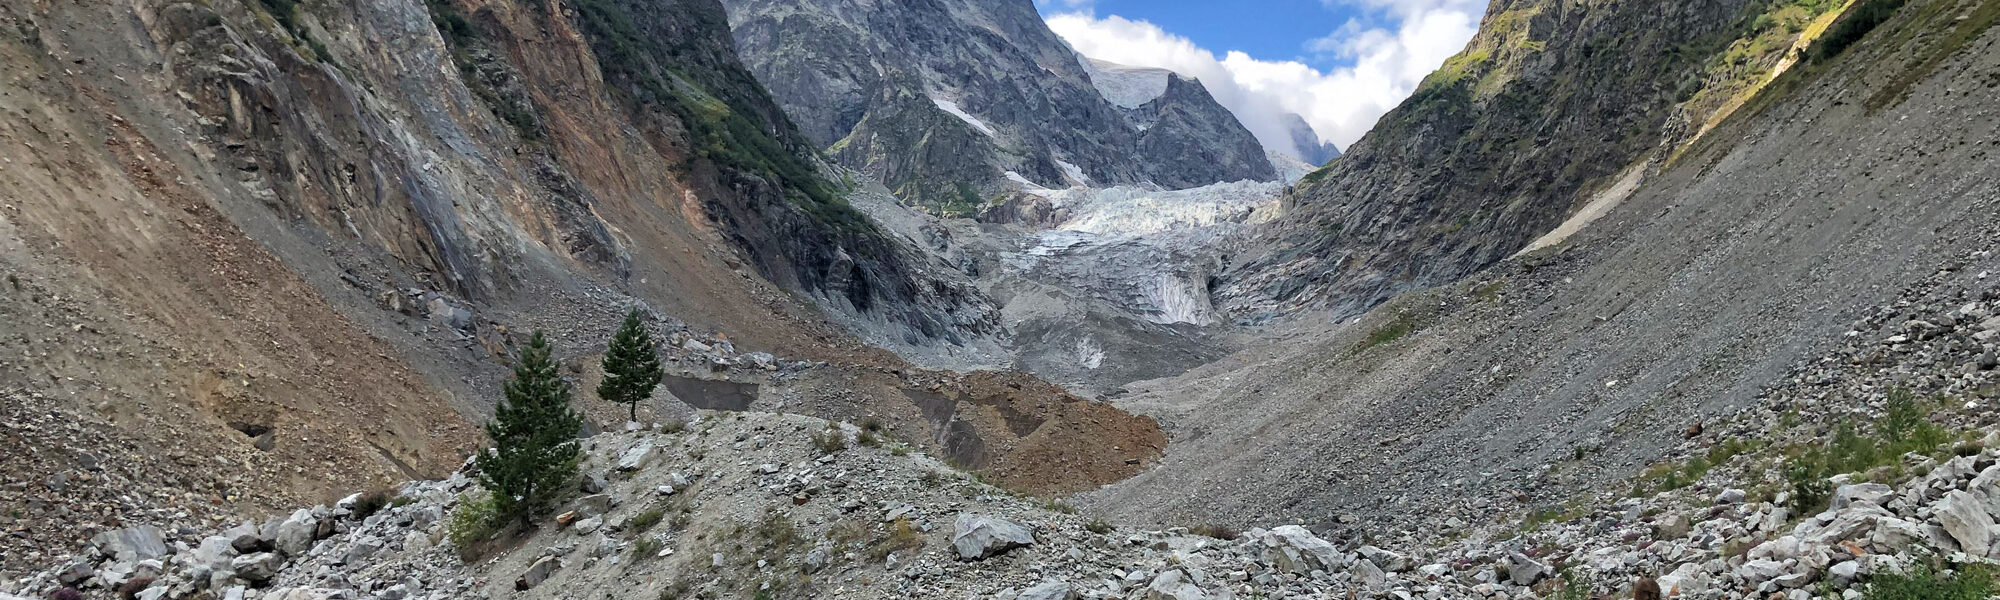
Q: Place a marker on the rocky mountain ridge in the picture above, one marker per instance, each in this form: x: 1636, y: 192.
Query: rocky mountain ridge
x: 939, y: 101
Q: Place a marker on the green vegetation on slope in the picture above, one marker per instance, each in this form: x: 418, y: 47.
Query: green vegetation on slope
x: 1929, y: 581
x: 717, y: 130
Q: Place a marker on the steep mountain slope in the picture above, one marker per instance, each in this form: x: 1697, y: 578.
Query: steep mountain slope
x: 288, y: 249
x: 1834, y: 241
x: 938, y: 99
x: 1501, y: 143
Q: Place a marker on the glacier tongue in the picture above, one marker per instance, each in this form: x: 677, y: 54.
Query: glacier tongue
x: 1142, y: 249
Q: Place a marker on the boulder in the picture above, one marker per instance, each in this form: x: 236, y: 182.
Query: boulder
x: 1671, y: 526
x: 979, y: 536
x: 1048, y: 590
x: 1731, y: 496
x: 1370, y: 575
x: 1389, y: 561
x: 1173, y: 585
x: 537, y: 573
x: 593, y: 505
x: 637, y: 457
x: 1966, y: 520
x: 257, y: 568
x: 131, y: 544
x: 214, y: 552
x: 293, y: 535
x: 1523, y: 570
x: 1872, y: 493
x: 1296, y: 549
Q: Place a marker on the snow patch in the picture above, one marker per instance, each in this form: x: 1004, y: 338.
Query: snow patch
x: 1076, y: 176
x: 952, y: 107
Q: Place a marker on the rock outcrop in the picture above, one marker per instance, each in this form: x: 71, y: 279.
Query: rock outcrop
x: 1548, y: 101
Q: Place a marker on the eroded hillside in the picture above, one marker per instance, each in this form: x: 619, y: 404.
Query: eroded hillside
x: 275, y: 251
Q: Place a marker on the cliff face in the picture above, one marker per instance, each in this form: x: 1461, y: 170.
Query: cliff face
x: 939, y: 99
x: 1500, y: 144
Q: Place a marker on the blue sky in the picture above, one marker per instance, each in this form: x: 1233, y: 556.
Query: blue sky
x: 1267, y: 29
x: 1338, y: 64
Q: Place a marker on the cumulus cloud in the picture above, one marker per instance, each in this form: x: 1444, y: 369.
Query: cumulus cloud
x: 1386, y: 52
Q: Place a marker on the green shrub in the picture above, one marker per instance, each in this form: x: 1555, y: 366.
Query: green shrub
x: 370, y: 503
x: 829, y: 441
x: 475, y: 521
x: 1905, y: 428
x: 1927, y: 581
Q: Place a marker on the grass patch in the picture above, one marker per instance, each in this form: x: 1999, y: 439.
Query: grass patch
x: 646, y: 547
x: 646, y: 519
x: 1099, y: 527
x: 1403, y: 324
x: 902, y: 538
x: 1220, y: 532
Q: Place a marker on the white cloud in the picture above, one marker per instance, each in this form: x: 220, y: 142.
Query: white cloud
x: 1385, y: 61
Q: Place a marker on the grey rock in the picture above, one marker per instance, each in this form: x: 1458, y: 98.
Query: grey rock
x: 1873, y: 493
x: 1173, y: 585
x: 637, y: 457
x: 1296, y: 549
x: 361, y: 549
x: 977, y: 537
x: 593, y: 505
x: 1049, y: 590
x: 257, y: 568
x: 295, y: 533
x: 1731, y: 496
x: 537, y: 573
x: 1525, y: 571
x: 1965, y: 519
x: 131, y: 544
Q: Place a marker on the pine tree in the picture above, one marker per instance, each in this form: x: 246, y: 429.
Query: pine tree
x: 534, y: 431
x: 631, y: 366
